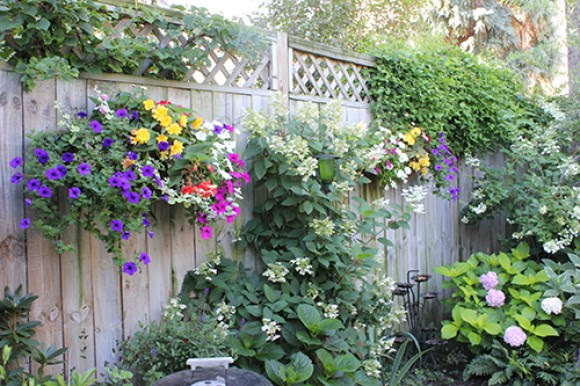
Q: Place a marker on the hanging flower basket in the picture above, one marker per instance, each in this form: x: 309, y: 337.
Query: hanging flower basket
x: 108, y: 168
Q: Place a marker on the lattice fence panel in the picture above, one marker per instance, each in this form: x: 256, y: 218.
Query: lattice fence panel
x: 220, y: 68
x: 329, y: 78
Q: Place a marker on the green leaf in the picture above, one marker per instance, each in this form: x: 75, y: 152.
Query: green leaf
x: 326, y: 360
x: 521, y: 280
x: 524, y: 322
x: 521, y: 251
x: 537, y: 344
x: 43, y: 24
x: 328, y: 325
x: 308, y: 315
x: 474, y: 338
x: 492, y: 328
x: 469, y: 316
x: 254, y: 310
x: 305, y: 338
x: 347, y: 363
x: 307, y: 206
x: 449, y: 331
x: 276, y: 372
x: 270, y: 293
x: 544, y: 330
x: 303, y: 366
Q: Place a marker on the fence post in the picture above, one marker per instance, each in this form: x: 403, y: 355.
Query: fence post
x: 281, y: 64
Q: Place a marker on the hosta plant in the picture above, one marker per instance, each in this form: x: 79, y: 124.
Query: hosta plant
x: 110, y: 165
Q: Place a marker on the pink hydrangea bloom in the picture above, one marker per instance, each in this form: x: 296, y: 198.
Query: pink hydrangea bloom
x: 514, y: 336
x: 495, y: 298
x: 489, y: 280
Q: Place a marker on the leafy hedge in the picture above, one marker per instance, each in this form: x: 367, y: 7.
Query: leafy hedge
x: 446, y: 90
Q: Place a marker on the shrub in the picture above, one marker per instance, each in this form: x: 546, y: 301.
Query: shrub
x: 504, y: 308
x: 316, y: 304
x: 160, y: 349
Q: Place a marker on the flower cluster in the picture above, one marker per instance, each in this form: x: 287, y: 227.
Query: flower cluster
x: 173, y: 310
x: 494, y: 297
x: 390, y: 157
x: 271, y: 328
x: 514, y: 336
x: 552, y: 305
x: 276, y: 273
x: 302, y: 266
x: 445, y: 168
x: 114, y: 163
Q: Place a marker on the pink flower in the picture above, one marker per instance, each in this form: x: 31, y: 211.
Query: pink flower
x: 389, y: 165
x: 489, y: 280
x: 202, y: 218
x: 206, y: 233
x: 230, y: 219
x: 495, y: 298
x: 514, y: 336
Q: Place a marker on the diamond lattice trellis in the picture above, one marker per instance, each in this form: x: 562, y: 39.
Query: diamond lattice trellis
x: 325, y: 77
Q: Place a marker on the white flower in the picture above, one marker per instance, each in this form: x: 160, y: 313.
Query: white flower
x: 331, y: 311
x: 465, y: 220
x: 372, y: 368
x: 276, y: 273
x: 303, y: 265
x: 224, y: 312
x: 201, y: 135
x: 472, y: 161
x: 414, y: 195
x: 543, y: 210
x: 481, y: 208
x: 324, y: 227
x: 271, y: 328
x: 551, y: 246
x: 552, y: 305
x: 173, y: 309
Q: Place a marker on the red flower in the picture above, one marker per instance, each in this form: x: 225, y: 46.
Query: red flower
x: 204, y: 189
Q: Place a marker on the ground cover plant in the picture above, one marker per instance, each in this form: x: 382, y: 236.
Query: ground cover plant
x: 112, y: 164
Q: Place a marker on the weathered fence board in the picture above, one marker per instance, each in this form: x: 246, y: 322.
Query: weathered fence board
x: 86, y: 304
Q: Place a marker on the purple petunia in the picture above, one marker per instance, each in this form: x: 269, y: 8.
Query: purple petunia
x: 122, y: 113
x: 96, y: 126
x: 144, y: 258
x: 74, y: 192
x: 114, y: 182
x: 82, y: 114
x: 134, y: 115
x: 84, y: 169
x: 218, y: 129
x: 16, y: 178
x: 130, y: 175
x: 162, y: 146
x: 117, y: 226
x: 27, y: 201
x: 450, y: 177
x: 438, y: 167
x: 129, y: 268
x: 68, y: 157
x: 150, y: 234
x: 126, y: 235
x: 124, y: 184
x: 16, y: 162
x: 41, y: 156
x: 133, y: 197
x: 53, y: 174
x: 25, y: 223
x: 62, y: 170
x: 229, y: 128
x: 107, y: 142
x: 146, y: 193
x: 206, y: 232
x: 132, y: 156
x: 146, y: 223
x: 147, y: 171
x: 44, y: 191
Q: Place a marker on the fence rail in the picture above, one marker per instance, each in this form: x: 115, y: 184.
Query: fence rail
x: 84, y: 303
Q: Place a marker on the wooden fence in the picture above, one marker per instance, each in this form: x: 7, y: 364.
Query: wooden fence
x: 84, y: 303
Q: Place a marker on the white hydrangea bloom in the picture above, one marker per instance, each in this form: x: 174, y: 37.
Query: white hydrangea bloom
x: 481, y: 208
x: 173, y: 309
x: 552, y: 305
x: 302, y: 266
x: 276, y: 273
x: 372, y: 368
x: 271, y: 328
x: 324, y: 227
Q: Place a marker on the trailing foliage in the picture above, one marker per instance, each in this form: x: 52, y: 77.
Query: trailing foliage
x: 159, y: 349
x: 42, y: 38
x: 314, y: 304
x: 446, y: 91
x: 538, y: 185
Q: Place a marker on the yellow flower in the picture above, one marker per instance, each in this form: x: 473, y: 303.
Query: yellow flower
x: 149, y: 104
x: 183, y: 120
x: 165, y: 121
x: 409, y: 139
x: 197, y: 123
x: 415, y: 166
x: 174, y: 129
x: 416, y: 132
x: 424, y: 161
x: 141, y: 136
x: 424, y: 171
x: 161, y: 138
x: 163, y: 154
x: 160, y: 112
x: 176, y: 148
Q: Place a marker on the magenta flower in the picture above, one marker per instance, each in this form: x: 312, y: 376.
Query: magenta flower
x: 389, y: 165
x: 206, y: 232
x: 233, y: 157
x: 202, y: 218
x: 229, y: 128
x: 495, y: 298
x: 489, y: 280
x: 144, y: 258
x: 74, y: 192
x: 16, y: 162
x: 25, y: 223
x: 129, y: 268
x: 514, y: 336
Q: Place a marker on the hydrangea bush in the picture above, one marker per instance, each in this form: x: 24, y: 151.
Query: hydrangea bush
x: 109, y: 166
x: 319, y: 312
x: 510, y: 302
